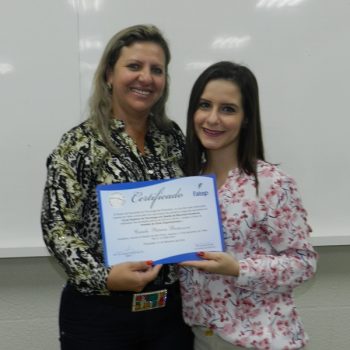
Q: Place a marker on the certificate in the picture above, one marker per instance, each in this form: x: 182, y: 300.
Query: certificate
x: 166, y: 221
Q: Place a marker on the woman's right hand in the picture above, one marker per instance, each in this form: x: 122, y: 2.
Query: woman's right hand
x: 131, y: 276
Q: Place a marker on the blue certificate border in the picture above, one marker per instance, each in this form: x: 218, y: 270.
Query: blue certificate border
x: 140, y: 184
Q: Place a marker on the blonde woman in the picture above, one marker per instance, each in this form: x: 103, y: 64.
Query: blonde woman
x: 126, y: 138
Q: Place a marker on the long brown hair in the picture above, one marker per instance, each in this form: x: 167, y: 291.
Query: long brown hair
x: 250, y: 145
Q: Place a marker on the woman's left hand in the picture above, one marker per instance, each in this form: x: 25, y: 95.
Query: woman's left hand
x: 215, y: 262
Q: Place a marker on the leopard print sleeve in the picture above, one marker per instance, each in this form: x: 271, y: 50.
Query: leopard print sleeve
x: 65, y: 196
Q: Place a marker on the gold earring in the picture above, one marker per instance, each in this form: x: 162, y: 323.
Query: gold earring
x: 109, y: 86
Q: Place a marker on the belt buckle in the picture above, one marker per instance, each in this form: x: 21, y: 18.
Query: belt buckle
x: 149, y: 300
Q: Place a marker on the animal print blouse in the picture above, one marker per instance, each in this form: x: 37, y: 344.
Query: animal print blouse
x: 70, y: 218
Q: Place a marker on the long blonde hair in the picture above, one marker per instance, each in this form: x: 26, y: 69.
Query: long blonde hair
x: 100, y: 102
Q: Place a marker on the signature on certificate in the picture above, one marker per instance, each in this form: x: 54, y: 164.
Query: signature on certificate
x: 204, y: 245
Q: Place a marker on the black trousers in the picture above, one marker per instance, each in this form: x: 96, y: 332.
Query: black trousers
x: 107, y: 323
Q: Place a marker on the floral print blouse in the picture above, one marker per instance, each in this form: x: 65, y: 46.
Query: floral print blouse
x: 268, y: 234
x: 70, y: 218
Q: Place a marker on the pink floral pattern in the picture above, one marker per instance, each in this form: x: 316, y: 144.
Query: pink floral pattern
x: 268, y: 234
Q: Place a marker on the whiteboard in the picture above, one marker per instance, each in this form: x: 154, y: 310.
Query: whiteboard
x: 40, y: 99
x: 298, y: 49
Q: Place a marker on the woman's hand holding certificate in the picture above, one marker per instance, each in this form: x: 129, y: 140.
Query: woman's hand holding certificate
x: 132, y: 276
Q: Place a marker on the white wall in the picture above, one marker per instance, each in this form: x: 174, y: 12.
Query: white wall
x: 40, y: 99
x: 30, y: 290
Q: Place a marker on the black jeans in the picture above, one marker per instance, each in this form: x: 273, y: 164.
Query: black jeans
x: 107, y: 323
